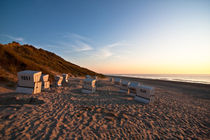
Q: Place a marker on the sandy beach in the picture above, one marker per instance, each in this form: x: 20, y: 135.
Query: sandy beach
x: 180, y: 111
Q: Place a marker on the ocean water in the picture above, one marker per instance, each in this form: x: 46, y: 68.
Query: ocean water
x: 192, y: 78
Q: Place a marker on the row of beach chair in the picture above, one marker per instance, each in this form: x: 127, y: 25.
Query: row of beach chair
x: 32, y: 82
x: 140, y: 92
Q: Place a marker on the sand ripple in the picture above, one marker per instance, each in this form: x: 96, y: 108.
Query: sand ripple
x: 66, y: 113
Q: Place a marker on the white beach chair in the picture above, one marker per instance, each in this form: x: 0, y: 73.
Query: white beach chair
x: 45, y: 81
x: 29, y: 82
x: 145, y: 94
x: 117, y: 82
x: 88, y: 77
x: 65, y: 78
x: 132, y: 88
x: 124, y: 86
x: 89, y: 86
x: 58, y: 80
x: 27, y: 78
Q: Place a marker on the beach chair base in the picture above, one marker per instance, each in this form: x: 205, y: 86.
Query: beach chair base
x: 45, y: 89
x: 132, y: 94
x: 140, y: 99
x: 87, y: 91
x: 123, y: 91
x: 27, y: 90
x: 56, y: 85
x: 118, y: 86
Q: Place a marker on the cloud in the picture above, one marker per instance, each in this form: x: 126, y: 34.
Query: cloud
x: 71, y: 43
x: 111, y: 50
x: 73, y: 36
x: 81, y: 46
x: 106, y: 53
x: 114, y: 45
x: 78, y: 43
x: 14, y: 38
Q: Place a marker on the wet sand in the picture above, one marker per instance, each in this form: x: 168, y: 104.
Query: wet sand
x: 180, y: 111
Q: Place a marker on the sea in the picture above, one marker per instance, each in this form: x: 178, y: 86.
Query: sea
x: 191, y: 78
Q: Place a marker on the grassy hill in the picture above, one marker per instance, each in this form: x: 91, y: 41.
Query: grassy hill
x: 15, y: 57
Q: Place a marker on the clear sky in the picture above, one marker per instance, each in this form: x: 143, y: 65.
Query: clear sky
x: 115, y: 36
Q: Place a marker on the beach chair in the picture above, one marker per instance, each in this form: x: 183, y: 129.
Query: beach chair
x: 89, y: 86
x: 124, y: 86
x: 132, y: 88
x: 88, y: 77
x: 58, y: 80
x: 45, y: 81
x: 96, y: 78
x: 29, y: 82
x: 65, y: 78
x: 117, y: 82
x: 110, y: 79
x: 145, y: 94
x: 97, y: 82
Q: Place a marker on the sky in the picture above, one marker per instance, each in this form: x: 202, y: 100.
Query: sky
x: 115, y: 36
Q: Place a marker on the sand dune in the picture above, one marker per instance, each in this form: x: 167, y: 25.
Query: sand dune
x: 66, y: 113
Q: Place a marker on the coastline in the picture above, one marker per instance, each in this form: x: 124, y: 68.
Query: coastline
x: 194, y: 89
x: 188, y: 78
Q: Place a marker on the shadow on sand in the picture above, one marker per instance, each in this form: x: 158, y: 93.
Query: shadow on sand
x: 19, y: 101
x: 102, y: 97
